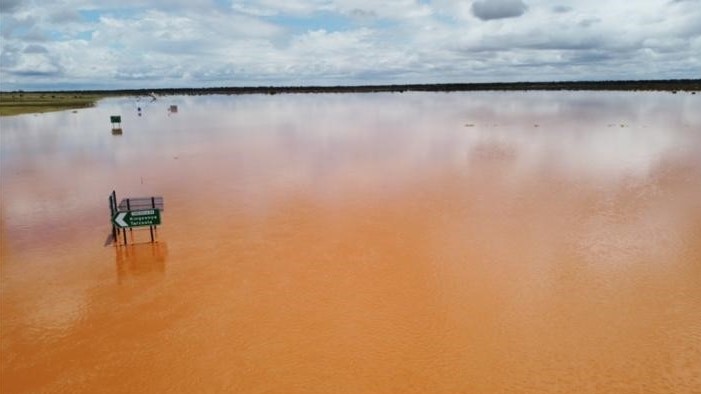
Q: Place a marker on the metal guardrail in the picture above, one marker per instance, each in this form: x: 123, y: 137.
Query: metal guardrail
x: 140, y: 203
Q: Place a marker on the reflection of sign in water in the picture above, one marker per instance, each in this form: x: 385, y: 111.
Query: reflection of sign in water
x: 149, y: 217
x: 141, y: 259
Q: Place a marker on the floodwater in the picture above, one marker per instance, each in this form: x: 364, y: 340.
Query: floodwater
x: 533, y: 242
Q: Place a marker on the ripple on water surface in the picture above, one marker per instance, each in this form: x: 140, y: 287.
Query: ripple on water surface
x: 357, y: 243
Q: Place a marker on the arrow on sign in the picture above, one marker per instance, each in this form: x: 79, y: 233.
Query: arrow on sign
x: 119, y: 220
x: 146, y: 217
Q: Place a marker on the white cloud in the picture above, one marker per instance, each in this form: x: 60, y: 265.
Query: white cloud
x: 35, y: 64
x: 281, y: 7
x: 159, y: 43
x: 561, y: 9
x: 397, y: 9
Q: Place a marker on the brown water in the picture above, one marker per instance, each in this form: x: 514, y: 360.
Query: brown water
x: 388, y: 243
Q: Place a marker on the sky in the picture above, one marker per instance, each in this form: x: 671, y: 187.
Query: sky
x: 141, y: 44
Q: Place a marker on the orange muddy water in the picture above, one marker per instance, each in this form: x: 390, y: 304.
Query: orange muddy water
x: 542, y: 242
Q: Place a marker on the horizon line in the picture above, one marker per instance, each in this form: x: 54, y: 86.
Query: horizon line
x: 688, y: 84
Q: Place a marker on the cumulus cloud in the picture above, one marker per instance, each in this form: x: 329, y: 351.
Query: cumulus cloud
x: 174, y: 43
x: 34, y: 62
x: 64, y: 16
x: 498, y: 9
x: 9, y: 5
x: 35, y: 49
x: 561, y: 9
x: 280, y: 7
x: 14, y: 25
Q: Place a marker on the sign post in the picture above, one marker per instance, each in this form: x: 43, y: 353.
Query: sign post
x: 134, y: 212
x: 116, y: 121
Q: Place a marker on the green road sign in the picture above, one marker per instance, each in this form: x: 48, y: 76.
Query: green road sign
x: 148, y: 217
x: 115, y: 119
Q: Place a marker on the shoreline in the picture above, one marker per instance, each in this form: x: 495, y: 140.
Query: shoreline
x: 19, y: 103
x: 24, y: 102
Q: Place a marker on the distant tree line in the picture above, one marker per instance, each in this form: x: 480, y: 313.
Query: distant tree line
x: 673, y: 85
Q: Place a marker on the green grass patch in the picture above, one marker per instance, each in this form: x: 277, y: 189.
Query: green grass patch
x: 16, y: 103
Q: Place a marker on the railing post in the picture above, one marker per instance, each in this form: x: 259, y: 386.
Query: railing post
x: 153, y: 206
x: 114, y: 228
x: 129, y: 209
